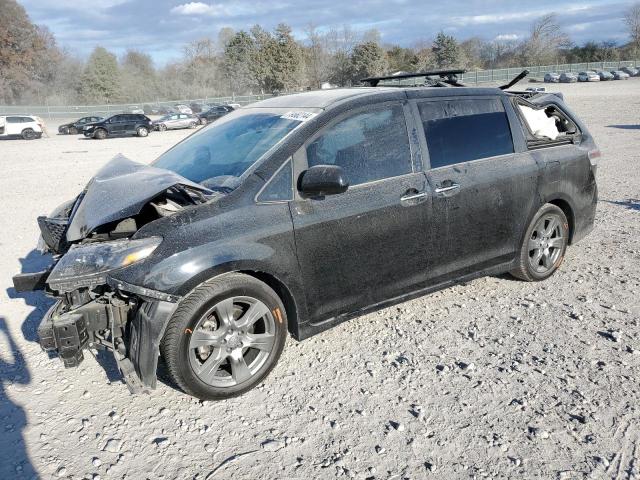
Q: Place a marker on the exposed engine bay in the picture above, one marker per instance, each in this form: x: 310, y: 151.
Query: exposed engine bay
x: 89, y: 238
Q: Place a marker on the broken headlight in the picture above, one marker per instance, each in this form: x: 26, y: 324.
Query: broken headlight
x: 87, y: 265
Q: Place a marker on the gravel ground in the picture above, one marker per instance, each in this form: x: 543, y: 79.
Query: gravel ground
x: 493, y: 379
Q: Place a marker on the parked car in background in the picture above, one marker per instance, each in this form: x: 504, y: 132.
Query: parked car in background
x: 604, y: 75
x: 588, y: 76
x: 136, y: 109
x: 214, y: 113
x: 198, y: 107
x: 568, y: 77
x: 20, y: 126
x: 118, y: 126
x: 536, y: 89
x: 151, y: 109
x: 631, y: 71
x: 552, y: 77
x: 619, y: 75
x: 166, y: 110
x: 76, y: 127
x: 175, y: 121
x: 235, y: 106
x: 183, y: 109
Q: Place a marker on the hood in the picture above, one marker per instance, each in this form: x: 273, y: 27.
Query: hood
x: 120, y: 190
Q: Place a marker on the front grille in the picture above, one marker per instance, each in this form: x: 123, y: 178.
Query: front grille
x: 53, y: 232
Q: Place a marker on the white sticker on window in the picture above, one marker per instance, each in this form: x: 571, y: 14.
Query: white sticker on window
x: 301, y: 116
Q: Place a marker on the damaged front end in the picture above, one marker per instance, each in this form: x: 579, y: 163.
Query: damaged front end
x: 90, y: 239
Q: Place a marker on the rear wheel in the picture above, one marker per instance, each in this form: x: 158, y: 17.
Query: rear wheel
x: 100, y: 134
x: 142, y: 131
x: 73, y: 131
x: 162, y: 127
x: 225, y: 337
x: 64, y: 131
x: 544, y: 245
x: 28, y: 134
x: 193, y: 125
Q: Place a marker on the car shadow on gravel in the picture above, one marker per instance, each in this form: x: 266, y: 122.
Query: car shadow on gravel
x: 630, y: 204
x: 34, y: 261
x: 625, y: 127
x: 13, y: 371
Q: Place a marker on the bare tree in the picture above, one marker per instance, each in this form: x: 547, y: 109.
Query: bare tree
x: 546, y: 38
x: 632, y: 21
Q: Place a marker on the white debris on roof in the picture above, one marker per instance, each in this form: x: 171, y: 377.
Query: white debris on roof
x: 539, y: 123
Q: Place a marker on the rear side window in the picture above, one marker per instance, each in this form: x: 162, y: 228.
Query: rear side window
x: 14, y: 119
x: 369, y: 145
x: 467, y: 129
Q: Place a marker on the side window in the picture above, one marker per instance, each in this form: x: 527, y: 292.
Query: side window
x: 280, y: 187
x: 466, y: 129
x: 117, y: 118
x: 370, y: 145
x: 14, y: 120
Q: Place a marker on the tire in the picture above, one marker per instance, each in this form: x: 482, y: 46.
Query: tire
x: 203, y: 121
x: 72, y: 131
x: 215, y: 311
x: 142, y: 131
x: 28, y: 134
x: 64, y: 131
x: 193, y: 125
x: 162, y: 127
x: 544, y: 245
x: 100, y: 134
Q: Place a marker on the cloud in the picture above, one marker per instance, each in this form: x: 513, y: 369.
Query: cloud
x: 504, y: 37
x: 194, y: 8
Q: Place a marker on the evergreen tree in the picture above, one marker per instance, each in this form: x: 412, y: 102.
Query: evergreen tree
x: 446, y: 51
x: 238, y: 55
x: 367, y: 59
x: 101, y: 79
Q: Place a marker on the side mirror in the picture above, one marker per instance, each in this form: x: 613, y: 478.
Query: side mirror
x: 322, y: 180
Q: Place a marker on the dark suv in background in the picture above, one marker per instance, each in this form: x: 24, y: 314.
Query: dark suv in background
x: 302, y: 211
x: 214, y: 113
x: 119, y: 126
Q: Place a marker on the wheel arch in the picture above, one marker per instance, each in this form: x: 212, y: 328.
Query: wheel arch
x: 567, y: 209
x: 283, y: 292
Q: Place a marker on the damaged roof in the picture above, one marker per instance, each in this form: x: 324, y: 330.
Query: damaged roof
x: 325, y: 98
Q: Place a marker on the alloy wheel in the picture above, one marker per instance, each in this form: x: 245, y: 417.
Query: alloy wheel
x: 546, y: 243
x: 232, y: 341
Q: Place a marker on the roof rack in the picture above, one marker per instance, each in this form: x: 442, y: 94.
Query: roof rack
x: 446, y: 76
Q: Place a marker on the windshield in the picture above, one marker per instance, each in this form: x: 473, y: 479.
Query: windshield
x: 220, y: 153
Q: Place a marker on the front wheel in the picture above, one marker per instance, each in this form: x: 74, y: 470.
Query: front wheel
x: 203, y: 121
x: 193, y: 125
x: 544, y: 245
x: 100, y: 134
x: 142, y: 131
x: 225, y: 337
x: 73, y: 131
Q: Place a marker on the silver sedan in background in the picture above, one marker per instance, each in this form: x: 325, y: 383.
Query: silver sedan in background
x: 588, y: 76
x: 174, y: 121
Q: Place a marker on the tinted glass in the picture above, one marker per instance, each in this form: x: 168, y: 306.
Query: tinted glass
x: 463, y: 130
x: 14, y: 119
x: 227, y: 148
x: 280, y: 188
x: 369, y: 146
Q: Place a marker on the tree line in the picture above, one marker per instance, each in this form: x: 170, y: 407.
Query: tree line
x: 35, y: 69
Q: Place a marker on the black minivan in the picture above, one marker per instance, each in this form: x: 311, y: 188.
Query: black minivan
x: 118, y: 126
x: 301, y: 211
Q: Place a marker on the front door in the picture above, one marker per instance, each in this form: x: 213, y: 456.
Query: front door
x: 483, y: 191
x: 366, y: 245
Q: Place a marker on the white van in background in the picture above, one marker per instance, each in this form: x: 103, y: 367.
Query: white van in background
x: 24, y: 126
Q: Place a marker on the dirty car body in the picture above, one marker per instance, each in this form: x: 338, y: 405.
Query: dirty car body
x: 427, y: 214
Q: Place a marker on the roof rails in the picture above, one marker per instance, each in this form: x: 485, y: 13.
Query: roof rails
x: 446, y: 77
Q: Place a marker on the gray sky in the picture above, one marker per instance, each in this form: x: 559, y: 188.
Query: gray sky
x: 162, y: 27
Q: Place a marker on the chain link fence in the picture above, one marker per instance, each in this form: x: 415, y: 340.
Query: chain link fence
x: 474, y: 77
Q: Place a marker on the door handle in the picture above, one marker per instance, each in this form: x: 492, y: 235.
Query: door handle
x: 448, y: 188
x: 413, y: 196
